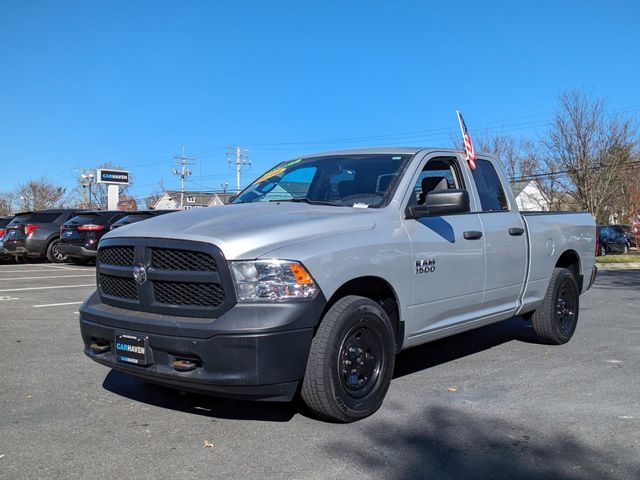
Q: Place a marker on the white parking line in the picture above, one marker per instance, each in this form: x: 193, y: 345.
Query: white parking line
x: 56, y: 304
x: 64, y: 267
x: 50, y: 276
x: 43, y: 270
x: 46, y: 288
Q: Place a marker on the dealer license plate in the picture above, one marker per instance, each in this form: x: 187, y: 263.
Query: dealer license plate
x: 132, y: 349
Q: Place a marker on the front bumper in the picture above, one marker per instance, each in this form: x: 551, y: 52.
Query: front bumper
x: 76, y: 251
x: 254, y: 351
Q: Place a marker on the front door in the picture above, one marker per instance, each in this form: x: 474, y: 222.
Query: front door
x: 448, y: 281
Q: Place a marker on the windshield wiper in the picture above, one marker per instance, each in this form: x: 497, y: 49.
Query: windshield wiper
x: 309, y: 201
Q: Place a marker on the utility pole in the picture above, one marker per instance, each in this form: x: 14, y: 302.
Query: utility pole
x: 224, y: 186
x: 238, y: 159
x: 182, y: 162
x: 86, y: 180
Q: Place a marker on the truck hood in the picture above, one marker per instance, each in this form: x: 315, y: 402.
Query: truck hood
x: 250, y: 230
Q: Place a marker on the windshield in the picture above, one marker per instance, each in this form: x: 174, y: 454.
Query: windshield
x: 365, y: 181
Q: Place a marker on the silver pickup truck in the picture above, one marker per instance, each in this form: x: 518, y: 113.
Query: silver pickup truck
x: 323, y: 269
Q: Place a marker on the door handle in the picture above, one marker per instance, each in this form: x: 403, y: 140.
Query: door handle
x: 472, y: 235
x: 516, y: 231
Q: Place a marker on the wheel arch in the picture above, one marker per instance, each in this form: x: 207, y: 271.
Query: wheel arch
x: 571, y: 260
x: 380, y: 291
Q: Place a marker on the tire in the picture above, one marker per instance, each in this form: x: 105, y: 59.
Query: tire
x: 53, y: 254
x: 355, y: 334
x: 555, y: 321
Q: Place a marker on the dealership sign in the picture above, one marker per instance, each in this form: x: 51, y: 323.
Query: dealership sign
x: 120, y: 177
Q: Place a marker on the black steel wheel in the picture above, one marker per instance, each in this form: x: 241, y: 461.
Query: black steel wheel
x: 54, y: 255
x: 556, y: 319
x: 351, y: 361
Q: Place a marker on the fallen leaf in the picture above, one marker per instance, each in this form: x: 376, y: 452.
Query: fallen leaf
x: 207, y: 444
x: 453, y: 389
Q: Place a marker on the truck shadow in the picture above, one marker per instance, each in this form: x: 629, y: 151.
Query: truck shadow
x: 447, y: 442
x: 409, y: 361
x: 464, y: 344
x: 197, y: 404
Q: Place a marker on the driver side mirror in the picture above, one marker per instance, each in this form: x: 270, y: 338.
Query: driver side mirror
x: 441, y: 202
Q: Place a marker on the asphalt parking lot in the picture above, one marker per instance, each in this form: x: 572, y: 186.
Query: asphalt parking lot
x: 485, y: 404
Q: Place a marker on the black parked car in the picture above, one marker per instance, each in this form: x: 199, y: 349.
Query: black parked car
x: 37, y: 234
x: 611, y: 241
x: 4, y: 221
x: 133, y: 217
x: 80, y: 235
x: 627, y: 231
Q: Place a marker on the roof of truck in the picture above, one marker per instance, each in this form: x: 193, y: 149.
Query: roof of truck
x: 386, y: 150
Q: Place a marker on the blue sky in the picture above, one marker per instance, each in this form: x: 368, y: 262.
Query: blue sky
x: 87, y: 82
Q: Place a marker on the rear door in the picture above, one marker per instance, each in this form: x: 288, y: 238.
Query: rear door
x: 504, y: 239
x: 449, y: 269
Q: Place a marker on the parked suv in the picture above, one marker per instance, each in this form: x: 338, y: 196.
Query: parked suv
x: 133, y: 217
x: 627, y: 231
x: 4, y: 221
x: 37, y: 234
x: 80, y: 235
x: 611, y: 240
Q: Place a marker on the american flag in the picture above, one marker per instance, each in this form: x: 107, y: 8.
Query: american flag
x: 468, y: 145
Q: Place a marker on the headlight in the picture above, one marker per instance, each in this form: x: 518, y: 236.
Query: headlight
x: 271, y: 280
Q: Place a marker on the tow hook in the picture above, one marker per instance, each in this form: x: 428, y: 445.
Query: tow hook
x: 99, y: 348
x: 183, y: 365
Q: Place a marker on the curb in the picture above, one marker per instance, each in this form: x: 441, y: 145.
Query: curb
x: 618, y: 266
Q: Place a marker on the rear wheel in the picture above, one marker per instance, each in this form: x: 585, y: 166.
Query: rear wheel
x: 54, y: 255
x: 556, y: 319
x: 351, y: 361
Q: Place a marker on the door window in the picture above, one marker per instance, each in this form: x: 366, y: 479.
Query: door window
x: 437, y: 174
x: 492, y: 196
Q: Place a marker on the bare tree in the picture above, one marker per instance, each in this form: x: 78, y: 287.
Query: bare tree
x: 7, y: 203
x: 155, y: 195
x: 128, y: 203
x: 39, y: 194
x: 592, y: 147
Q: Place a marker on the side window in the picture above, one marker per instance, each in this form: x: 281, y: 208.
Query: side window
x: 492, y: 196
x: 437, y: 174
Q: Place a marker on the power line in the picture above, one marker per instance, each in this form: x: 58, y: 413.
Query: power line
x: 238, y: 158
x: 182, y: 162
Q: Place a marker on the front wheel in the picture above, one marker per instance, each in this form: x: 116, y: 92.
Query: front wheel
x: 351, y: 361
x: 556, y: 319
